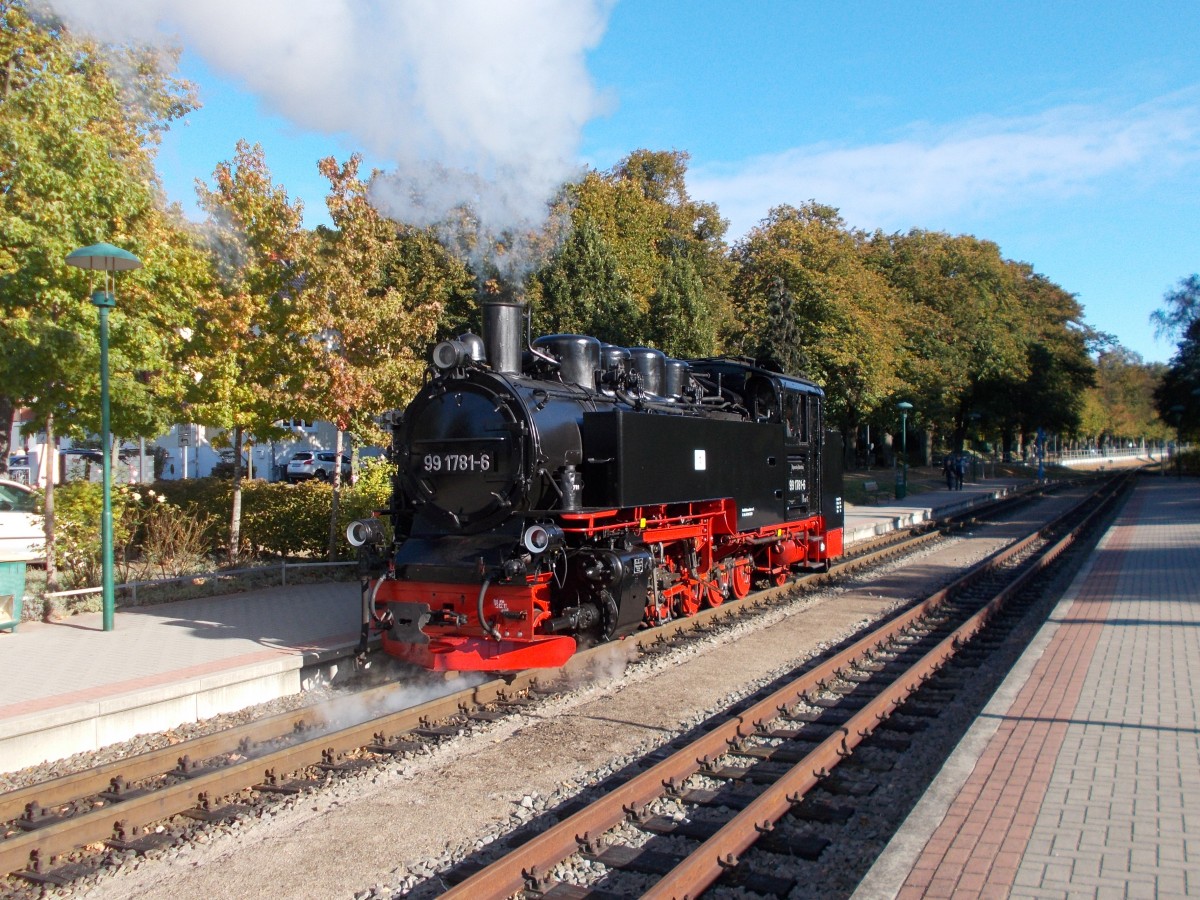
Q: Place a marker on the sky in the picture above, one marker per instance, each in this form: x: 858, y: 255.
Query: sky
x: 1066, y: 132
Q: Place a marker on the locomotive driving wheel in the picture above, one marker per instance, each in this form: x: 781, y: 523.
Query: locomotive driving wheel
x: 741, y: 577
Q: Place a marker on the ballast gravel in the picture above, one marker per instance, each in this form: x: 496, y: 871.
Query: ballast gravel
x: 394, y: 827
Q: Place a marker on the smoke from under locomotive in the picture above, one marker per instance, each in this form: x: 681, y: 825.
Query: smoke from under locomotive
x: 564, y: 489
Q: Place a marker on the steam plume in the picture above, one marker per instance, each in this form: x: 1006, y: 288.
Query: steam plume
x: 476, y: 103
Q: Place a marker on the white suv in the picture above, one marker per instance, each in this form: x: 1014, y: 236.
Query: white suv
x: 314, y: 464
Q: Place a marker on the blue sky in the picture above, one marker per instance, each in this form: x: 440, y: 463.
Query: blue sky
x: 1067, y: 132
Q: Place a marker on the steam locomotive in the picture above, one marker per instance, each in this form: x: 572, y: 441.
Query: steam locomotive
x: 563, y: 491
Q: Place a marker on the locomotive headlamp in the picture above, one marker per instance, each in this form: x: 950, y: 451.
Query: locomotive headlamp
x: 450, y: 355
x: 540, y: 538
x: 364, y: 531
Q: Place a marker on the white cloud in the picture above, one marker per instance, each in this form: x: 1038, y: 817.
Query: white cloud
x: 982, y: 167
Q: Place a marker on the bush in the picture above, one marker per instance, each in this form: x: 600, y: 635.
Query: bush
x: 177, y: 527
x: 78, y: 507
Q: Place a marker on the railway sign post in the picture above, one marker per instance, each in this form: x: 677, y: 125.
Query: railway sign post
x: 107, y: 259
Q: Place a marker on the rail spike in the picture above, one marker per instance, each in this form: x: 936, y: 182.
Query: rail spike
x: 728, y: 861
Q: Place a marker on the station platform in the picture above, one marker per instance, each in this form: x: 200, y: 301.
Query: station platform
x: 1082, y: 775
x: 68, y: 687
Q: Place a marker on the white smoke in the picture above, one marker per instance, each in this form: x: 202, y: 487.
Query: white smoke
x: 476, y: 103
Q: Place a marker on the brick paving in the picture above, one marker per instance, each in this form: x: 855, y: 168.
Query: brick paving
x: 1090, y: 782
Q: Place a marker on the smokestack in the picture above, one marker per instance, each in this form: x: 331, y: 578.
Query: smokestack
x: 503, y: 334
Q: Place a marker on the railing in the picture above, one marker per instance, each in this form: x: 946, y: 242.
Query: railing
x: 1100, y: 454
x: 214, y: 578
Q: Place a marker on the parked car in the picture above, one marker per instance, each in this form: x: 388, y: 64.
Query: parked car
x: 306, y: 464
x: 21, y: 528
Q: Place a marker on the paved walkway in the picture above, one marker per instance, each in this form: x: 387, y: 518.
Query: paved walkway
x: 69, y: 686
x: 1082, y: 776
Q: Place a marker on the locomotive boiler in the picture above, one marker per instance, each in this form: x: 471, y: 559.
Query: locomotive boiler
x: 565, y: 490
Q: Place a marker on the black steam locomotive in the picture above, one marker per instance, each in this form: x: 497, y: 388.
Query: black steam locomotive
x: 570, y: 490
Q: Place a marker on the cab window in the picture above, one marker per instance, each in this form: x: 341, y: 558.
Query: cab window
x: 795, y: 417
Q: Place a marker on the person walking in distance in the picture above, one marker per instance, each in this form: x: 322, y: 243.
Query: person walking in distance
x: 960, y: 469
x: 948, y: 469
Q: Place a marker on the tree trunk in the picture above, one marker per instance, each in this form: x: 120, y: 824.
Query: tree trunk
x: 7, y: 410
x: 235, y: 518
x: 49, y: 458
x: 337, y: 489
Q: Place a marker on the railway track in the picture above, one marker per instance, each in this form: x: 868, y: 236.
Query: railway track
x: 220, y: 776
x: 693, y: 819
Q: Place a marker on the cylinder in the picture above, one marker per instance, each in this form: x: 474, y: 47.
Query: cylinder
x: 578, y: 357
x: 503, y: 322
x: 651, y: 365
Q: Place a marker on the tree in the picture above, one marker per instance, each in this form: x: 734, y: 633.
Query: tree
x: 681, y: 323
x: 1121, y: 402
x: 1049, y: 393
x: 1178, y: 396
x: 76, y: 168
x: 1182, y: 309
x: 809, y: 298
x: 375, y: 294
x: 251, y: 361
x: 644, y: 243
x: 962, y: 325
x: 582, y: 291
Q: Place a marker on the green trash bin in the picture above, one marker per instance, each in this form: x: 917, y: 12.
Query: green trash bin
x: 12, y: 592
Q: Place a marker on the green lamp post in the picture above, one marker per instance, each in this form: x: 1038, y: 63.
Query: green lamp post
x: 902, y: 473
x: 107, y: 259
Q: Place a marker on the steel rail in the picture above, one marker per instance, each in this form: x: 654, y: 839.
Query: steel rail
x: 530, y: 861
x: 710, y: 860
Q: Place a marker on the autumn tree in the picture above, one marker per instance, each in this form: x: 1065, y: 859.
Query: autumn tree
x: 807, y: 296
x: 962, y: 321
x: 374, y: 297
x: 1120, y: 404
x: 1047, y: 393
x: 251, y: 362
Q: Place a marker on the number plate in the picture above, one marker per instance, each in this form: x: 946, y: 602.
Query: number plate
x: 457, y: 462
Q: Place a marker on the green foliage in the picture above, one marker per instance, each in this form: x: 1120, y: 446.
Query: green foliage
x: 584, y: 292
x: 643, y: 263
x: 76, y: 168
x: 810, y: 298
x: 78, y: 509
x: 282, y: 519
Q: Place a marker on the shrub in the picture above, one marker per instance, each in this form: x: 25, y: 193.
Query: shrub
x: 176, y: 527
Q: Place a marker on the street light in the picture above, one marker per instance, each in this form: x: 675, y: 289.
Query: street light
x: 107, y: 259
x: 902, y: 474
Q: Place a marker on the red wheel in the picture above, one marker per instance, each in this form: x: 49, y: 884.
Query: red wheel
x: 712, y: 594
x: 781, y: 578
x: 741, y: 579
